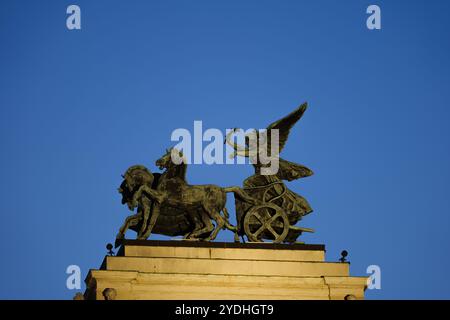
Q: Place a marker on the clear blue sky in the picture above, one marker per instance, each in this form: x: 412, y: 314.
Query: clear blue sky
x: 78, y: 107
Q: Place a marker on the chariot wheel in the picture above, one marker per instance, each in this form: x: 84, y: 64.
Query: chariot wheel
x: 267, y: 221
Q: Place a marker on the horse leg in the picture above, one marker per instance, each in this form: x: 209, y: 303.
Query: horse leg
x: 208, y: 226
x: 229, y: 226
x: 129, y: 222
x: 226, y: 222
x: 220, y: 223
x: 155, y: 215
x: 145, y: 215
x: 153, y: 194
x: 195, y: 218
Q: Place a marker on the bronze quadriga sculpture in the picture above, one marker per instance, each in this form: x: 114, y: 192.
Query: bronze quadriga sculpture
x: 265, y: 208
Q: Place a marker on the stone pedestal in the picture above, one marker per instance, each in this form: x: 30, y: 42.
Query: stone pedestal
x: 215, y: 270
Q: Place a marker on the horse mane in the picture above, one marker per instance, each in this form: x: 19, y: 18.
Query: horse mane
x: 177, y: 171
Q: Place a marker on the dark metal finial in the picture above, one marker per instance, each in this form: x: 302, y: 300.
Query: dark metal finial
x: 344, y: 254
x: 109, y: 247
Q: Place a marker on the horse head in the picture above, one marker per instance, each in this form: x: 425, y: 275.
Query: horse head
x: 135, y: 177
x: 174, y: 163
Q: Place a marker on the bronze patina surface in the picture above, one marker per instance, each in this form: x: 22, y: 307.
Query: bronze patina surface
x: 265, y: 208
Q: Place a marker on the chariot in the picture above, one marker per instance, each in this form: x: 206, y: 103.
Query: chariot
x: 265, y: 208
x: 275, y: 215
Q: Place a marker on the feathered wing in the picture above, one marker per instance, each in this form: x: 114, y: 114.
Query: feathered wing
x: 285, y: 124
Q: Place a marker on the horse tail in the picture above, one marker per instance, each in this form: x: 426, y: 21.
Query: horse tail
x: 240, y: 193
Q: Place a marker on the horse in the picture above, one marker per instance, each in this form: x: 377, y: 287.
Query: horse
x: 134, y: 178
x: 204, y: 201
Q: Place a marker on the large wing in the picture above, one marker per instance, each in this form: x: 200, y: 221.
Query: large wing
x: 285, y: 124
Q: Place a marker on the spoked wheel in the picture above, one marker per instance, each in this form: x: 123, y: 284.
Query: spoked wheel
x: 267, y: 221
